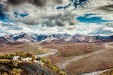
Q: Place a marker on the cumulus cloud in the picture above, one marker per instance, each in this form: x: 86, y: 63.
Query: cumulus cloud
x: 101, y: 8
x: 40, y: 12
x: 44, y: 17
x: 80, y: 28
x: 47, y: 8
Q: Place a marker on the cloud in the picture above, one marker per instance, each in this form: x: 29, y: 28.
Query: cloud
x: 80, y: 28
x: 101, y: 8
x: 15, y: 2
x: 106, y: 8
x: 42, y: 16
x: 39, y: 3
x: 48, y: 16
x: 40, y: 12
x: 98, y: 7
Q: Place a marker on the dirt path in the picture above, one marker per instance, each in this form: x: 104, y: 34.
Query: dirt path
x: 53, y: 51
x: 95, y: 73
x: 76, y: 58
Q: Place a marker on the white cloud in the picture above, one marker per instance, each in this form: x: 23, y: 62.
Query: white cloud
x: 80, y: 28
x: 100, y: 8
x: 38, y: 16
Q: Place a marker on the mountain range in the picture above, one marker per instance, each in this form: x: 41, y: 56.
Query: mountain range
x: 46, y: 38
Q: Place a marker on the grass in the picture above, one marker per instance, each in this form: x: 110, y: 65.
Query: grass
x: 73, y: 49
x: 95, y: 62
x: 35, y: 49
x: 68, y: 50
x: 24, y: 47
x: 101, y: 61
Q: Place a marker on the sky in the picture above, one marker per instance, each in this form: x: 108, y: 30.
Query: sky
x: 95, y: 19
x: 86, y: 17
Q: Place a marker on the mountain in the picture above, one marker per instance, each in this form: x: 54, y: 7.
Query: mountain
x: 46, y: 38
x: 3, y: 40
x: 20, y: 37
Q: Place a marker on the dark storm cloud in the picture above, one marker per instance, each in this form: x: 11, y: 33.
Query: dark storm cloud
x: 15, y: 2
x: 107, y: 8
x: 39, y: 2
x: 60, y: 20
x: 35, y: 2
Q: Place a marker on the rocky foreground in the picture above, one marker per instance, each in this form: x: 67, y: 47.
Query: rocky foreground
x: 26, y: 64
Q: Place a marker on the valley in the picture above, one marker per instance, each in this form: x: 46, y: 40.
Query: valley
x: 74, y: 58
x: 95, y: 62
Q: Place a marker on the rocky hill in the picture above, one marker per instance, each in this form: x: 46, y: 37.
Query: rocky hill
x: 26, y: 64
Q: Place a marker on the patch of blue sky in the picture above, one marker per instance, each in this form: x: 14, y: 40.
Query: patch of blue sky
x: 75, y: 3
x: 7, y: 21
x: 2, y: 16
x: 94, y: 19
x: 20, y: 15
x: 5, y: 18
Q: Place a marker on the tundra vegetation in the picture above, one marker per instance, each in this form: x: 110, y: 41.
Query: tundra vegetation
x: 31, y: 65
